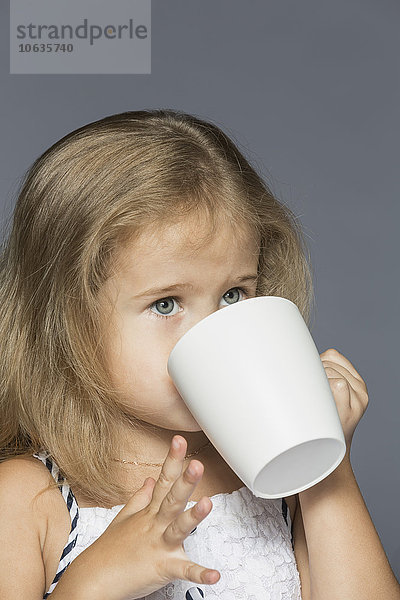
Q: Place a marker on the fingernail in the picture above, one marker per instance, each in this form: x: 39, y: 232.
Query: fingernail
x: 192, y: 470
x: 176, y: 443
x: 199, y: 508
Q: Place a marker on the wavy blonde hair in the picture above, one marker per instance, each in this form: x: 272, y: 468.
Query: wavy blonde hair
x: 85, y: 197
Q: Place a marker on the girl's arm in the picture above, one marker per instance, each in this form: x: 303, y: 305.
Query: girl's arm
x: 22, y: 531
x: 346, y: 557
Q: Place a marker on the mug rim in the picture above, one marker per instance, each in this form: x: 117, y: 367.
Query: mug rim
x: 214, y: 315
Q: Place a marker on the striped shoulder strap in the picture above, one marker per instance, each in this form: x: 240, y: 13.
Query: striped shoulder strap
x: 284, y: 510
x: 74, y: 514
x: 284, y: 513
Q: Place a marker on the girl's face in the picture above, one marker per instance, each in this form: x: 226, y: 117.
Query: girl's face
x: 145, y: 325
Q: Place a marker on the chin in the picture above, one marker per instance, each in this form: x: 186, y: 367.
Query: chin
x: 194, y: 428
x: 187, y: 423
x: 193, y: 424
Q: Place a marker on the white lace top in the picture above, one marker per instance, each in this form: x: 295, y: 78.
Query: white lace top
x: 247, y: 539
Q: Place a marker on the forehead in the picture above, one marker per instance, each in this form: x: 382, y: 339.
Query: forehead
x: 191, y: 239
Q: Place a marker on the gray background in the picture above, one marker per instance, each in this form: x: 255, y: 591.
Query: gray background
x: 310, y: 92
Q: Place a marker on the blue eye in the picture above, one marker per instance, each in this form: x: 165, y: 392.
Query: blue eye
x: 234, y: 292
x: 165, y: 305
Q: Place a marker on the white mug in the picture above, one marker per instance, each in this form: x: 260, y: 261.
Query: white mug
x: 251, y: 375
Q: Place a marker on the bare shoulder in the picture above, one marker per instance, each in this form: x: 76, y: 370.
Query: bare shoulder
x: 23, y: 464
x: 21, y: 479
x: 32, y: 526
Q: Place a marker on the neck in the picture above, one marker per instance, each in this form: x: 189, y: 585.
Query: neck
x: 149, y: 443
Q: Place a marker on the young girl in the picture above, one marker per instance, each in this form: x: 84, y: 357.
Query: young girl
x: 126, y: 233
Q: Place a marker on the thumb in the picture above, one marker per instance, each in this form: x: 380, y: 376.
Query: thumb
x: 142, y: 497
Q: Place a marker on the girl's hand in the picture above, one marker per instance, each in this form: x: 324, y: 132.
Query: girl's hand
x: 142, y: 548
x: 348, y: 389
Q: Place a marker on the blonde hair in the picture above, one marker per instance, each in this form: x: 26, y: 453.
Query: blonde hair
x: 85, y: 197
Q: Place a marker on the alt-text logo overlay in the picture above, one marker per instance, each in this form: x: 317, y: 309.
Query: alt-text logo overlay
x: 80, y: 36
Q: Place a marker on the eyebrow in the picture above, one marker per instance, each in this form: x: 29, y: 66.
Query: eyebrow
x: 184, y: 286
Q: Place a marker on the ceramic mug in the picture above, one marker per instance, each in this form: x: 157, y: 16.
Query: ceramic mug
x: 251, y: 375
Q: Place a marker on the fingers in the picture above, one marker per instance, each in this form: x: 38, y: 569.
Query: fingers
x: 140, y: 499
x: 171, y: 470
x: 334, y: 368
x: 333, y: 355
x: 337, y: 374
x: 183, y: 525
x: 193, y: 572
x: 176, y: 499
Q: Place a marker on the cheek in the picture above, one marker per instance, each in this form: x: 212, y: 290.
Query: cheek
x: 139, y: 358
